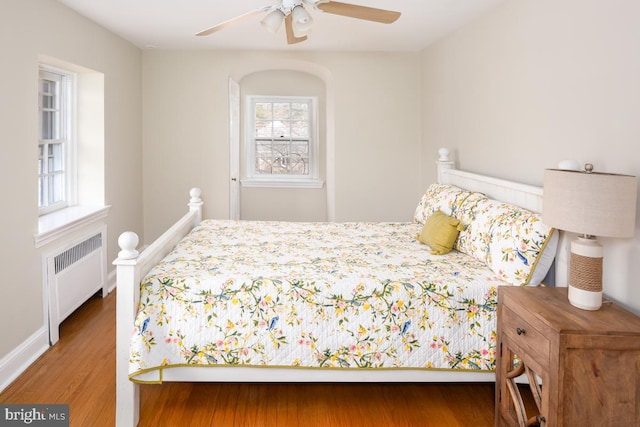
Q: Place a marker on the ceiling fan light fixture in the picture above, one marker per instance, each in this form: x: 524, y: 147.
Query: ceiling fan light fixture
x: 273, y: 21
x: 302, y: 21
x: 298, y: 21
x: 314, y: 3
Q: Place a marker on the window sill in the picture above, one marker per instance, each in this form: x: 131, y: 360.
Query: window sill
x: 281, y: 183
x: 56, y: 224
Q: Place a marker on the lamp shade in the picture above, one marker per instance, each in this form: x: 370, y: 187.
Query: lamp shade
x: 302, y: 21
x: 591, y: 203
x: 273, y: 20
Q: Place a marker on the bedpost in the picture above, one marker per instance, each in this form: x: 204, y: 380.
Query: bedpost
x: 127, y: 296
x: 195, y: 203
x: 443, y: 163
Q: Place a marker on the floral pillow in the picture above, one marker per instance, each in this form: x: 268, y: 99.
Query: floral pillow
x: 508, y: 238
x: 472, y: 240
x: 439, y: 197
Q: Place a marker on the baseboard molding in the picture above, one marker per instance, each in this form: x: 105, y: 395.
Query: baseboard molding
x: 16, y: 362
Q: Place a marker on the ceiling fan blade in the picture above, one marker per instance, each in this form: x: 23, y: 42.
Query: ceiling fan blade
x: 360, y: 12
x: 291, y: 38
x: 233, y: 21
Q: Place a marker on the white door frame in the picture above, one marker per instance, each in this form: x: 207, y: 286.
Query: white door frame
x: 234, y: 150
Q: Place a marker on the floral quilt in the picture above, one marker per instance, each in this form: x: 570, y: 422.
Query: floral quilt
x: 314, y: 295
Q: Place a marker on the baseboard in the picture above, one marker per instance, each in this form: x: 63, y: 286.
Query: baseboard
x: 16, y: 362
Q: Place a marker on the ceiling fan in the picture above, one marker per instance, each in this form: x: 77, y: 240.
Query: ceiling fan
x: 297, y: 19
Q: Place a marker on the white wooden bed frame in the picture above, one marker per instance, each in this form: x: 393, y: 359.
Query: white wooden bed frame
x: 133, y: 266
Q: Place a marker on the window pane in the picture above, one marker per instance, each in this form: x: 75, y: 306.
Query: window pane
x: 263, y: 110
x: 55, y: 158
x: 263, y: 148
x: 263, y: 157
x: 298, y: 165
x: 40, y: 159
x: 299, y: 129
x: 48, y: 87
x: 281, y: 130
x: 264, y: 129
x: 47, y: 125
x: 281, y: 111
x: 280, y: 156
x: 47, y: 101
x: 41, y: 199
x: 300, y: 111
x: 56, y: 187
x: 280, y: 149
x: 279, y: 167
x: 300, y: 158
x: 300, y: 148
x: 263, y: 165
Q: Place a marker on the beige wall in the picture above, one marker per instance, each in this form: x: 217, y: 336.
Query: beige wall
x: 30, y: 28
x: 373, y: 130
x: 537, y: 81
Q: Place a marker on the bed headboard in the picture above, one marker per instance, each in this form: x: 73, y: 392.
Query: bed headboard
x: 515, y: 193
x: 527, y: 196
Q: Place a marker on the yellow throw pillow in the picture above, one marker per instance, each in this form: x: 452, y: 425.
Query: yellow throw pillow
x: 440, y: 232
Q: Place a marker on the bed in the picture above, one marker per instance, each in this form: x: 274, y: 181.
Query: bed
x: 234, y: 301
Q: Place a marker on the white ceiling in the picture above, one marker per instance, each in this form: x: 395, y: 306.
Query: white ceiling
x: 172, y: 24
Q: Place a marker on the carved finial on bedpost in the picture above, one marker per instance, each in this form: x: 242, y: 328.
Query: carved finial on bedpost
x: 195, y: 194
x: 128, y: 241
x: 195, y: 203
x: 443, y: 163
x: 444, y: 155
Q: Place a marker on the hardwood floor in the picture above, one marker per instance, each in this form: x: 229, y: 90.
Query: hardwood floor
x: 80, y: 371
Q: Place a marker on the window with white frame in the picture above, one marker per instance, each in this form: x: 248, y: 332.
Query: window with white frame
x: 282, y: 144
x: 55, y: 149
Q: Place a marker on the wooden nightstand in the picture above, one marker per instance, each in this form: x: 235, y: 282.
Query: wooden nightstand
x: 584, y: 365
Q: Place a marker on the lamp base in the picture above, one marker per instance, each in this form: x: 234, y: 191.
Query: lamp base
x: 585, y: 273
x: 586, y: 300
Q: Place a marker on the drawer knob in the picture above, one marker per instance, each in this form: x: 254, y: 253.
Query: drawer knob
x: 520, y: 331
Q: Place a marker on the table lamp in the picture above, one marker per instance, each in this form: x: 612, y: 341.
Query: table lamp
x: 590, y: 204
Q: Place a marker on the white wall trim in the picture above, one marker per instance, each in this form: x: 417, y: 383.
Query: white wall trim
x: 282, y: 183
x: 16, y: 362
x: 61, y: 223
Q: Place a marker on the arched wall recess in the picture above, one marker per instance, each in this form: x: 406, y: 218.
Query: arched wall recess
x: 285, y: 65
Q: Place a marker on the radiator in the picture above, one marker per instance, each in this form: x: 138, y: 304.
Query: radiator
x: 73, y: 274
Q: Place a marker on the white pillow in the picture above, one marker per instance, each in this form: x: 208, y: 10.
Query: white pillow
x: 545, y: 259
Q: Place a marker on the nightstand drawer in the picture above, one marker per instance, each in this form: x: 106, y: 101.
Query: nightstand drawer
x: 525, y: 336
